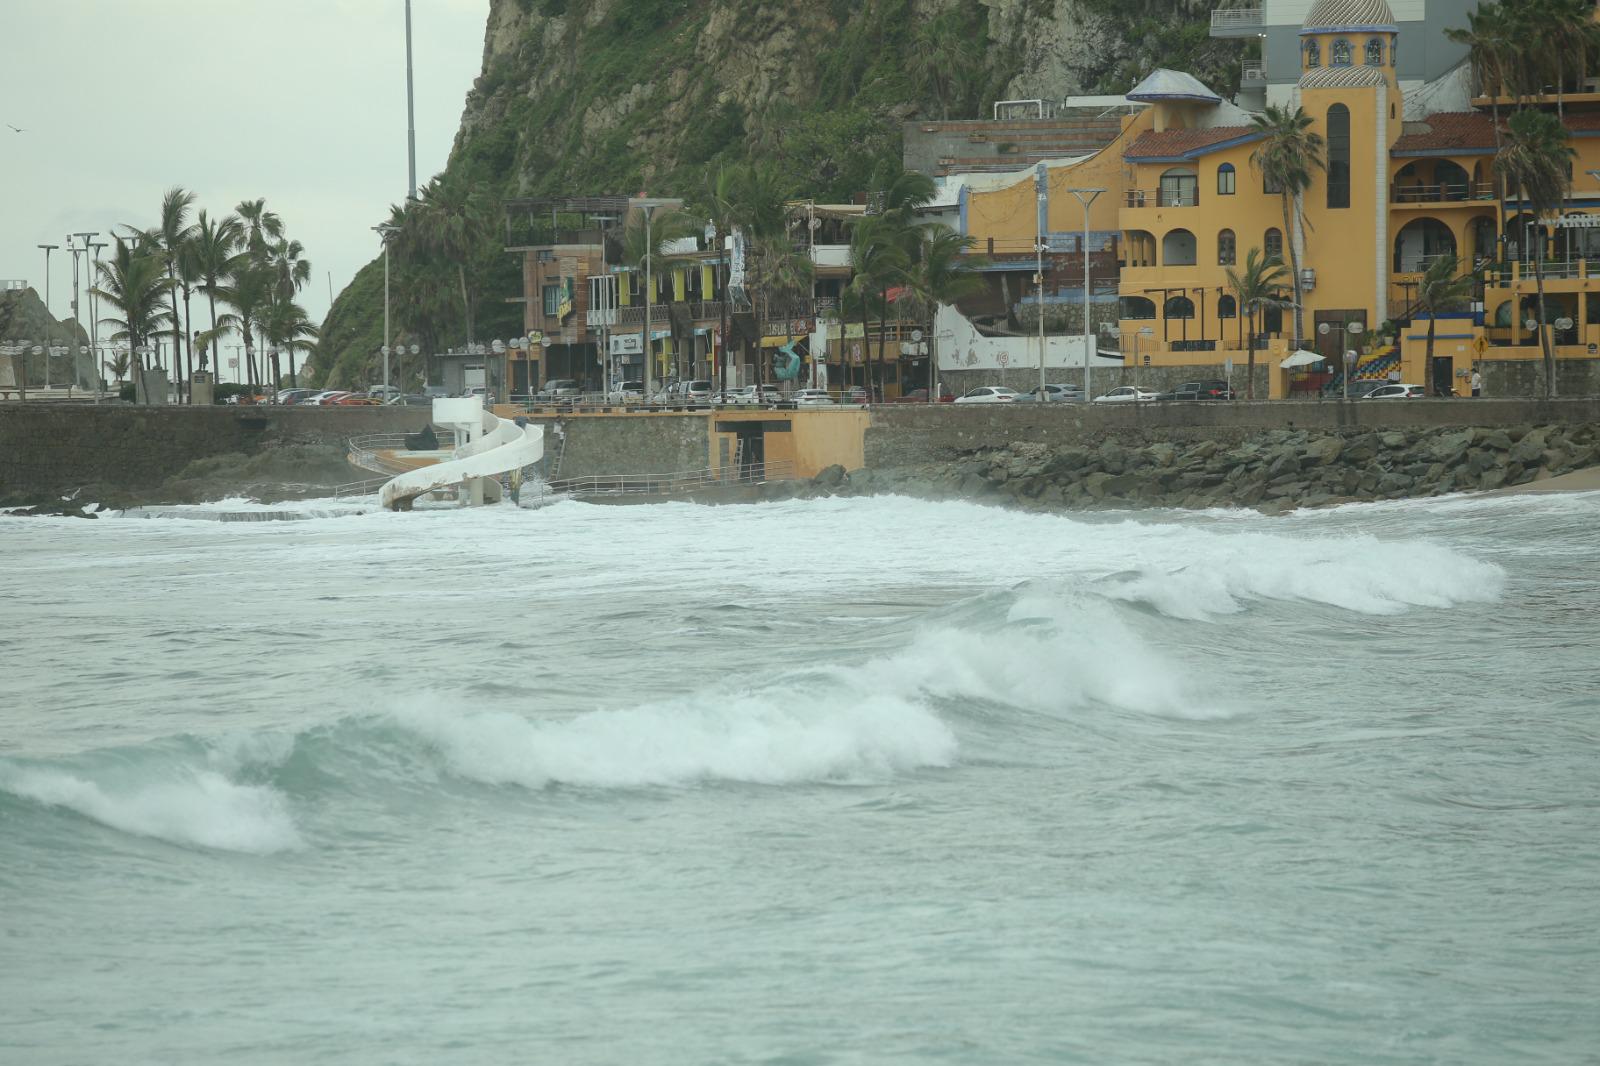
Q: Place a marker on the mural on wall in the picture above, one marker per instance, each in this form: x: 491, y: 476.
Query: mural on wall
x: 962, y: 347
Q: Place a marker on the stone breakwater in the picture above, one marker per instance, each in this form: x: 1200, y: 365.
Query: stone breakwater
x: 1274, y: 470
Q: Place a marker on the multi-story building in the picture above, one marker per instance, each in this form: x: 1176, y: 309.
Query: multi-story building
x: 1409, y: 177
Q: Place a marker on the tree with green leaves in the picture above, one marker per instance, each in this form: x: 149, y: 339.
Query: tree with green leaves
x: 878, y: 261
x: 1257, y: 289
x: 1287, y: 157
x: 261, y: 226
x: 209, y: 258
x: 1535, y: 162
x: 1492, y: 52
x: 173, y: 234
x: 450, y: 222
x: 288, y: 330
x: 250, y: 293
x: 944, y: 61
x: 133, y: 282
x: 1442, y: 290
x: 943, y: 272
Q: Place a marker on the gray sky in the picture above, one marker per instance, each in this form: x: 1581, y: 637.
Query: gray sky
x: 298, y: 101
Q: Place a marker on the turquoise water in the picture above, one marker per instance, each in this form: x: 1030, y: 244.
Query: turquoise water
x: 840, y: 781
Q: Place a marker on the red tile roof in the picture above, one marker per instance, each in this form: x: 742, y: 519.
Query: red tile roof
x: 1469, y: 131
x: 1169, y: 144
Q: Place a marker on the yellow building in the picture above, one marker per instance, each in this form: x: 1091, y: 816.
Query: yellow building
x: 1187, y: 204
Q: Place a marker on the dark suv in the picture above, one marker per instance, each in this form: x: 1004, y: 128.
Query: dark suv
x: 1200, y: 390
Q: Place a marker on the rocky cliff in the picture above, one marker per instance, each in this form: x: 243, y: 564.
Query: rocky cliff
x: 610, y: 96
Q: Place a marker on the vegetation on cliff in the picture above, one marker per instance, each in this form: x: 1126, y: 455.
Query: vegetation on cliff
x: 616, y: 96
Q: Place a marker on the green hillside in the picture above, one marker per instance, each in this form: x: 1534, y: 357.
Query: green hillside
x: 619, y: 96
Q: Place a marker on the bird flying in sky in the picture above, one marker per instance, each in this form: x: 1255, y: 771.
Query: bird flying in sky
x: 14, y: 129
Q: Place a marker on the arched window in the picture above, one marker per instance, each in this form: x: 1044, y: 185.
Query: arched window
x: 1419, y: 243
x: 1143, y: 309
x: 1227, y: 248
x: 1179, y: 307
x: 1225, y: 179
x: 1273, y: 244
x: 1338, y: 156
x: 1139, y: 248
x: 1180, y: 187
x: 1374, y: 52
x: 1394, y: 53
x: 1313, y: 54
x: 1227, y: 307
x: 1178, y: 248
x: 1339, y: 53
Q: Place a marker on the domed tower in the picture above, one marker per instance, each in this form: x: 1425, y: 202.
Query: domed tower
x: 1348, y: 86
x: 1348, y: 43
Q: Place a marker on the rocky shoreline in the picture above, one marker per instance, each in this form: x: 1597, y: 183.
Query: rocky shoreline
x: 1272, y: 471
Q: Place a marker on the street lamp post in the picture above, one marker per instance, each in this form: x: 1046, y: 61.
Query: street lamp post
x: 385, y: 230
x: 49, y: 316
x: 649, y: 349
x: 92, y: 262
x: 1086, y: 197
x: 1038, y: 278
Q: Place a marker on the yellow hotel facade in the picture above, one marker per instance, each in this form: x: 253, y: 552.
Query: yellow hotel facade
x: 1185, y: 204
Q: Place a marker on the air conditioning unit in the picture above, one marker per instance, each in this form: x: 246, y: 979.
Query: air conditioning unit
x: 1308, y: 278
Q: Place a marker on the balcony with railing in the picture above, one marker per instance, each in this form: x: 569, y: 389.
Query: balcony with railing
x: 1185, y: 194
x: 1464, y: 193
x: 1252, y: 74
x: 1243, y: 20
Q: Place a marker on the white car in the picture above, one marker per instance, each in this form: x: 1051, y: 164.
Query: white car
x: 1128, y: 394
x: 812, y: 398
x: 989, y: 394
x: 317, y: 399
x: 1066, y: 393
x: 627, y: 392
x: 1397, y: 392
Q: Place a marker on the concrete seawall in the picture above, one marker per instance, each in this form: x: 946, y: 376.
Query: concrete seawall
x: 56, y: 447
x: 911, y: 434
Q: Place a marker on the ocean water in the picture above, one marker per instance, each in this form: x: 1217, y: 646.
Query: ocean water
x: 838, y: 781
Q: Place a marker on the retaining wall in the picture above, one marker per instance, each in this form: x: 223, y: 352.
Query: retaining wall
x: 58, y: 447
x: 914, y: 433
x: 1104, y: 379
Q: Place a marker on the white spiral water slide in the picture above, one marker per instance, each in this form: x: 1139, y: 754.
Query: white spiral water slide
x: 494, y: 446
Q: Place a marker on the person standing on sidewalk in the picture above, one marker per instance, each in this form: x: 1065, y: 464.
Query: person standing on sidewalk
x: 1477, y: 383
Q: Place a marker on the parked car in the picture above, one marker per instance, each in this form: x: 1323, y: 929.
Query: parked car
x: 811, y: 398
x: 1128, y: 394
x: 856, y: 394
x: 318, y: 399
x: 685, y: 392
x: 293, y: 396
x: 382, y: 393
x: 989, y: 394
x: 1063, y: 393
x: 1396, y: 392
x: 435, y: 392
x: 351, y: 399
x: 1216, y: 389
x: 410, y: 399
x: 627, y: 392
x: 1363, y: 388
x: 753, y: 395
x: 921, y: 396
x: 558, y: 390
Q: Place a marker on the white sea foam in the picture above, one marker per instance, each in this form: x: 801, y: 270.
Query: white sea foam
x: 197, y: 808
x: 760, y: 738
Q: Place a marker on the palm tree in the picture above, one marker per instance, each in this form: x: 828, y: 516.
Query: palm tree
x: 1492, y: 54
x: 877, y: 261
x: 131, y: 282
x: 260, y: 225
x: 1535, y: 162
x: 1286, y: 158
x: 450, y: 221
x: 1259, y: 288
x: 118, y: 365
x: 288, y: 330
x: 210, y: 255
x: 173, y: 235
x: 719, y: 199
x: 942, y: 61
x: 786, y: 272
x: 1441, y: 290
x: 942, y: 274
x: 249, y: 293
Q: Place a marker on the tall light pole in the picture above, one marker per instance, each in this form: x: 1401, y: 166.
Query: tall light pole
x: 385, y: 231
x: 49, y: 317
x: 649, y: 349
x: 1086, y: 197
x: 1038, y: 247
x: 92, y: 262
x: 411, y: 120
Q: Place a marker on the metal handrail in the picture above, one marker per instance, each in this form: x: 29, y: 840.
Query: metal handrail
x: 364, y: 451
x: 1236, y: 17
x: 1448, y: 192
x: 665, y: 484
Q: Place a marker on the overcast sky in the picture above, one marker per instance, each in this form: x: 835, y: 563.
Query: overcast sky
x: 298, y: 101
